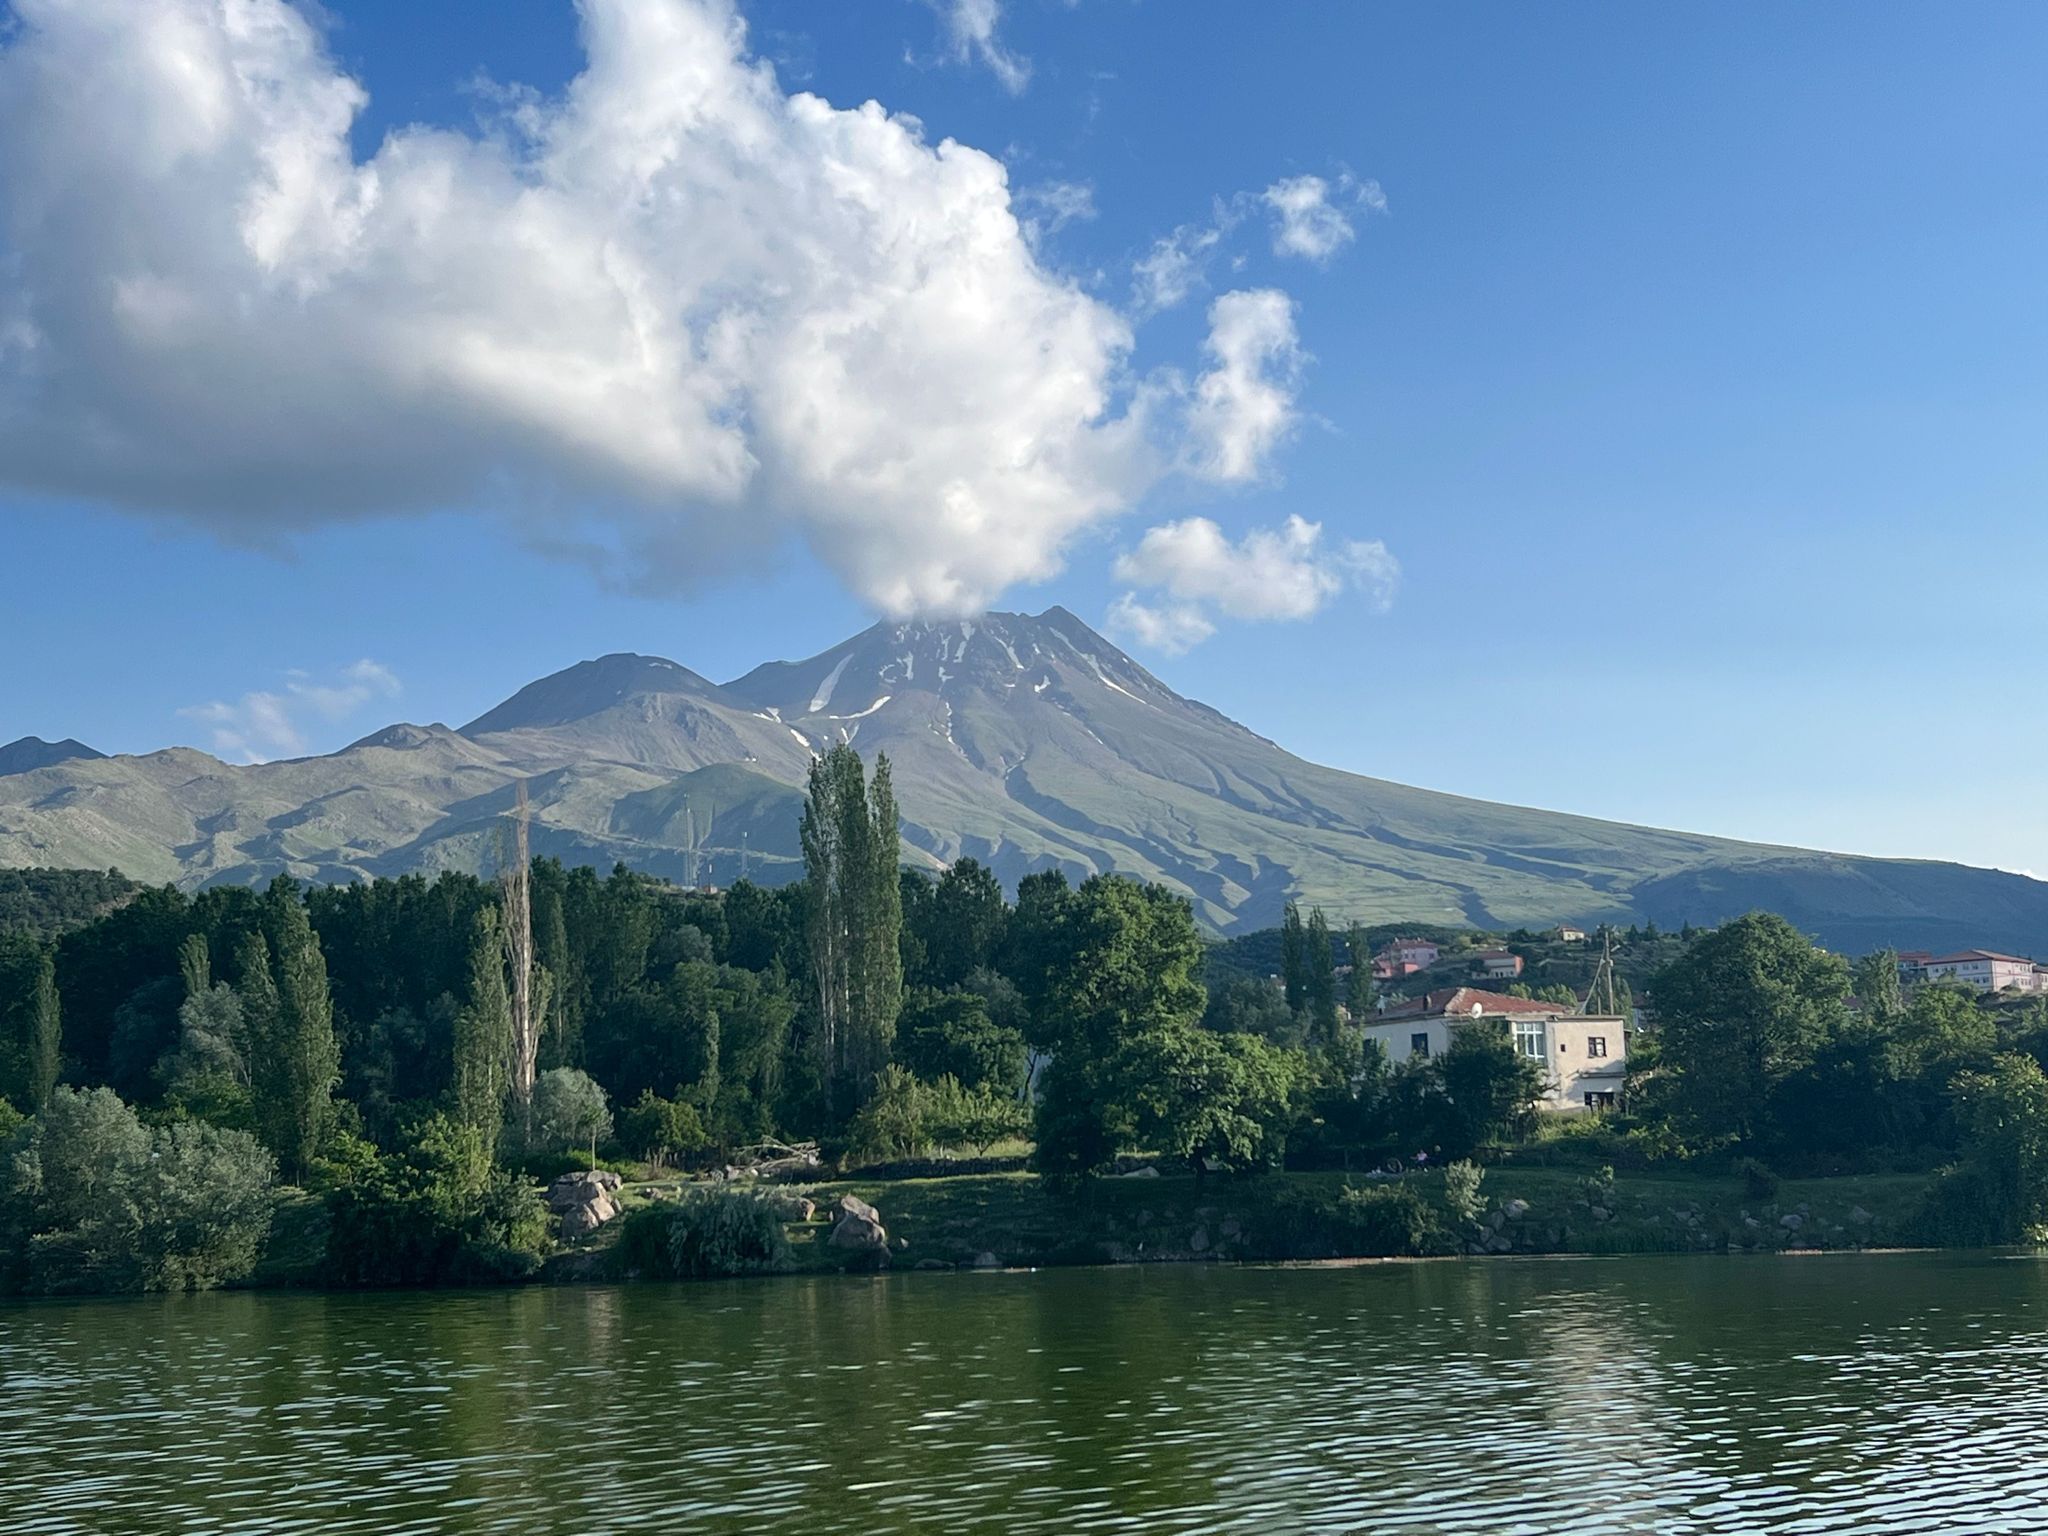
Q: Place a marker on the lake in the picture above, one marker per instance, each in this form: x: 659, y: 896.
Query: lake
x: 1845, y: 1393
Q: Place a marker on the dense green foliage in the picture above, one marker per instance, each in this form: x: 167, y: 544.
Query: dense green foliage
x: 91, y: 1199
x: 45, y: 904
x: 362, y: 1037
x: 717, y: 1234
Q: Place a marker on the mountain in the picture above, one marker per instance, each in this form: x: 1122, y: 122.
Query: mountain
x: 1029, y: 742
x: 34, y: 752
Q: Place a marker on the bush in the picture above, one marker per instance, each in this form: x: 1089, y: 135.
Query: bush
x: 1390, y: 1220
x: 1759, y: 1183
x: 726, y: 1232
x: 569, y: 1110
x: 1963, y: 1207
x: 546, y: 1167
x: 91, y: 1200
x: 658, y: 1129
x: 438, y: 1212
x: 1461, y: 1190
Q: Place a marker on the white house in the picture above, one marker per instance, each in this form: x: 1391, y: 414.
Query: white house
x: 1979, y: 968
x: 1584, y: 1056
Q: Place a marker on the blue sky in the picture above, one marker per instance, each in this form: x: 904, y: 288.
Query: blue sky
x: 1693, y: 374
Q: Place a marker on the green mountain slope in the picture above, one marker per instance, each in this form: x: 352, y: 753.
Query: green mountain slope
x: 1029, y: 742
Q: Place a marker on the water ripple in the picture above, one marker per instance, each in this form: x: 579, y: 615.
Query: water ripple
x: 1701, y: 1394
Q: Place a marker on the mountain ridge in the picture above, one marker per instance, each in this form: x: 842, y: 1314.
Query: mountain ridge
x: 1026, y: 741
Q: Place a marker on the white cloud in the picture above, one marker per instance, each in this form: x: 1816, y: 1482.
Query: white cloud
x: 1051, y: 205
x: 1271, y: 573
x: 672, y: 316
x: 1244, y: 402
x: 971, y: 37
x: 1305, y: 222
x: 267, y: 724
x: 1169, y: 627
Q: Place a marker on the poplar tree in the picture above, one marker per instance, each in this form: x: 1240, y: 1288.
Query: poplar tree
x: 1358, y: 994
x: 483, y: 1034
x: 1321, y: 979
x: 30, y: 1023
x: 1294, y: 958
x: 299, y: 1063
x: 853, y: 914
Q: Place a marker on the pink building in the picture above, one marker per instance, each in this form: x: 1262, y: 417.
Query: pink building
x: 1982, y: 969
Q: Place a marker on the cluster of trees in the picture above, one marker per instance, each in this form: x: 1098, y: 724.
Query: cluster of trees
x: 411, y: 1050
x: 407, y: 1047
x: 1771, y: 1047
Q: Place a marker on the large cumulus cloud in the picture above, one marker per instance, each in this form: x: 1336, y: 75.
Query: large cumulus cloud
x: 675, y: 313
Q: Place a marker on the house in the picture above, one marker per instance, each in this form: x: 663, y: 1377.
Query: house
x: 1568, y: 933
x: 1498, y: 964
x: 1416, y: 954
x: 1983, y: 969
x: 1584, y: 1056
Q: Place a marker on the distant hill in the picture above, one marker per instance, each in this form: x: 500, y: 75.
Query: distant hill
x: 50, y: 902
x: 34, y: 752
x: 1027, y: 741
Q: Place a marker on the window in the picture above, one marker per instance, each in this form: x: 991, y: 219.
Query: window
x: 1596, y: 1046
x: 1529, y: 1040
x: 1418, y: 1045
x: 1596, y: 1099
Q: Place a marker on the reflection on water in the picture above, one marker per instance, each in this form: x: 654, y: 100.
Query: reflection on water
x: 1847, y: 1393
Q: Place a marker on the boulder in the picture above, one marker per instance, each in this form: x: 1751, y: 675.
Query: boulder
x: 580, y: 1188
x: 853, y: 1205
x: 1516, y: 1209
x: 985, y: 1261
x: 791, y: 1207
x: 1791, y: 1221
x: 855, y: 1233
x: 582, y: 1220
x: 1146, y: 1172
x: 1199, y: 1241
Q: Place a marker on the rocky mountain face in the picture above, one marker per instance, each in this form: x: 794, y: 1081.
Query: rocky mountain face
x: 1029, y: 742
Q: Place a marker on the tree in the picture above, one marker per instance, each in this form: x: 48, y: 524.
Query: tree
x: 524, y: 1010
x: 1321, y: 980
x: 854, y: 913
x: 30, y: 1024
x: 570, y: 1109
x: 1740, y: 1013
x: 1124, y: 968
x: 1358, y: 995
x: 483, y: 1035
x: 208, y: 1074
x: 964, y: 924
x: 1490, y: 1088
x: 2005, y: 1111
x: 951, y: 1035
x: 1876, y: 985
x: 438, y: 1212
x: 1218, y: 1101
x: 1294, y: 958
x: 659, y: 1129
x: 91, y: 1200
x: 1244, y: 1006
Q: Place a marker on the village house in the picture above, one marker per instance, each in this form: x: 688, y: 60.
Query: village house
x: 1404, y: 957
x: 1584, y: 1056
x: 1498, y: 964
x: 1569, y: 933
x: 1982, y: 969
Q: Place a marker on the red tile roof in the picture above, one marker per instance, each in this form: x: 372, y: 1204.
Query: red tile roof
x: 1458, y: 1002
